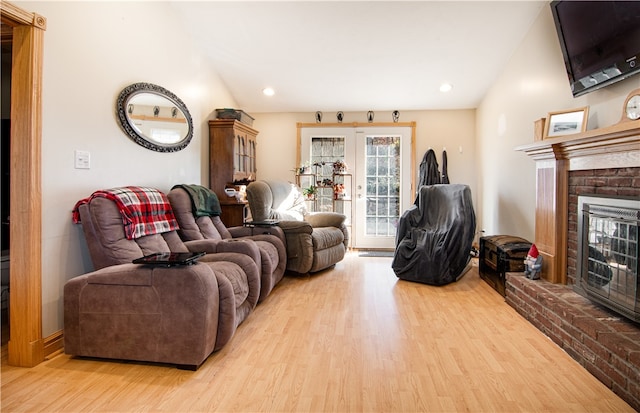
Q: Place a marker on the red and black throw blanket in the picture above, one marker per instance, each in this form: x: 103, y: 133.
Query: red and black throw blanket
x: 145, y: 211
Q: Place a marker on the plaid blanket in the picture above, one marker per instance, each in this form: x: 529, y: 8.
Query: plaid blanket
x: 145, y: 211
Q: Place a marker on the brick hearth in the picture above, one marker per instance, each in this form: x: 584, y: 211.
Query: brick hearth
x: 603, y: 342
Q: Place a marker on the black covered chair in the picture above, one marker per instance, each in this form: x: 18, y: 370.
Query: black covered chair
x: 434, y: 237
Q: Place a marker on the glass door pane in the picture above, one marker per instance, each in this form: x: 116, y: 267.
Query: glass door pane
x: 324, y: 152
x: 382, y: 159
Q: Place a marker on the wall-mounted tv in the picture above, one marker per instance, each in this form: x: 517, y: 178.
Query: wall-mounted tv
x: 600, y: 41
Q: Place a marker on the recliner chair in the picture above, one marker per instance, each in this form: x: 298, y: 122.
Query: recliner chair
x: 314, y: 240
x: 433, y: 242
x: 270, y: 240
x: 175, y: 315
x: 172, y: 315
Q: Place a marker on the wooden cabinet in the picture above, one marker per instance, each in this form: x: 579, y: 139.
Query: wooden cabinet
x: 232, y: 154
x: 232, y: 159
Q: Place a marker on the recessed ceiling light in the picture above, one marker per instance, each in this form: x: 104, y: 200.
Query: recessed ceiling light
x: 267, y: 91
x: 445, y: 87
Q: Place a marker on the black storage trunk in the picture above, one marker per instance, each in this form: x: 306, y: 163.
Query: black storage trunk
x: 500, y: 254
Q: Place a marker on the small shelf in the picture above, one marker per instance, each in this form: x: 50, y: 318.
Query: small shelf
x: 158, y: 118
x: 325, y: 199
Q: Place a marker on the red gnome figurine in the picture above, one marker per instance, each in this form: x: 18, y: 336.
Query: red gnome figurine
x: 533, y: 263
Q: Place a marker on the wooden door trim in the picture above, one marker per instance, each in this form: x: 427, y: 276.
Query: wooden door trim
x: 26, y: 348
x: 412, y: 125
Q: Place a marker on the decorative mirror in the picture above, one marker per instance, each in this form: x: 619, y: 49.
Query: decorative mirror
x: 154, y: 117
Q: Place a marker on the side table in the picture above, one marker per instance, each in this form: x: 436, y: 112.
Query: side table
x: 234, y: 212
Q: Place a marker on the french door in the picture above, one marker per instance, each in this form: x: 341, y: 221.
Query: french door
x: 382, y: 184
x: 378, y: 182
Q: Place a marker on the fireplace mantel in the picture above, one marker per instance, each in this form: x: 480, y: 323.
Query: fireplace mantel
x: 616, y: 146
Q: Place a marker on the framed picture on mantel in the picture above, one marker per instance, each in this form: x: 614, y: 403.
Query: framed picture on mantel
x: 566, y: 122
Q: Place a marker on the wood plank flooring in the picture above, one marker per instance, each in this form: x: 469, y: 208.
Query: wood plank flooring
x: 353, y: 338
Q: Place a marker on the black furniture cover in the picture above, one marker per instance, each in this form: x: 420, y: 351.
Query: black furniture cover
x: 429, y: 172
x: 434, y: 237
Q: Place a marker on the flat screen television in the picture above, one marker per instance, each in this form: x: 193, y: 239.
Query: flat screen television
x: 600, y: 41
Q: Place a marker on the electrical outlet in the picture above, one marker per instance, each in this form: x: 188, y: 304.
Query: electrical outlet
x: 82, y: 159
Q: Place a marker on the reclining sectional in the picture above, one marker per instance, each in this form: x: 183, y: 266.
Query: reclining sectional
x: 177, y: 315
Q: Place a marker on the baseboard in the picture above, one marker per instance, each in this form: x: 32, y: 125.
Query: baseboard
x: 53, y: 345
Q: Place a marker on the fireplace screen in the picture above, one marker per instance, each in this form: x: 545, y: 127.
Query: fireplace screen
x: 608, y: 253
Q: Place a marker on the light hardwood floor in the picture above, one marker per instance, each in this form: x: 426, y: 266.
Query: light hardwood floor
x: 354, y: 338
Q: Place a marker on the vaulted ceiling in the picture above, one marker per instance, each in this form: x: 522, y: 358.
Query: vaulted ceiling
x: 360, y: 55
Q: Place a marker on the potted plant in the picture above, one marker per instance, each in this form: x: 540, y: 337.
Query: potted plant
x: 339, y: 167
x: 309, y: 192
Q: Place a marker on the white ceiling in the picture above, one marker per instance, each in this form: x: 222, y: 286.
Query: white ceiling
x: 357, y: 56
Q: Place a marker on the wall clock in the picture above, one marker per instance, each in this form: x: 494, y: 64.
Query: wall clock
x: 631, y: 108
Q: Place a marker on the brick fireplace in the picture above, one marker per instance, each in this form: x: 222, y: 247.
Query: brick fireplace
x: 603, y: 162
x: 600, y: 160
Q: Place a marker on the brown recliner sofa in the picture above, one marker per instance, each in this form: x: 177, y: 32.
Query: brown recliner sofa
x: 199, y: 219
x: 314, y: 240
x: 176, y: 315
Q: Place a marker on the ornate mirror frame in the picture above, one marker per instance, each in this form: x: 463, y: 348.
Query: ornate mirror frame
x: 124, y: 109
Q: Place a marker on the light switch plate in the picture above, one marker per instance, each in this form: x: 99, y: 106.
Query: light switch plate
x: 82, y: 159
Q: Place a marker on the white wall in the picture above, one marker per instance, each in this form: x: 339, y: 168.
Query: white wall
x: 92, y: 51
x: 533, y: 84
